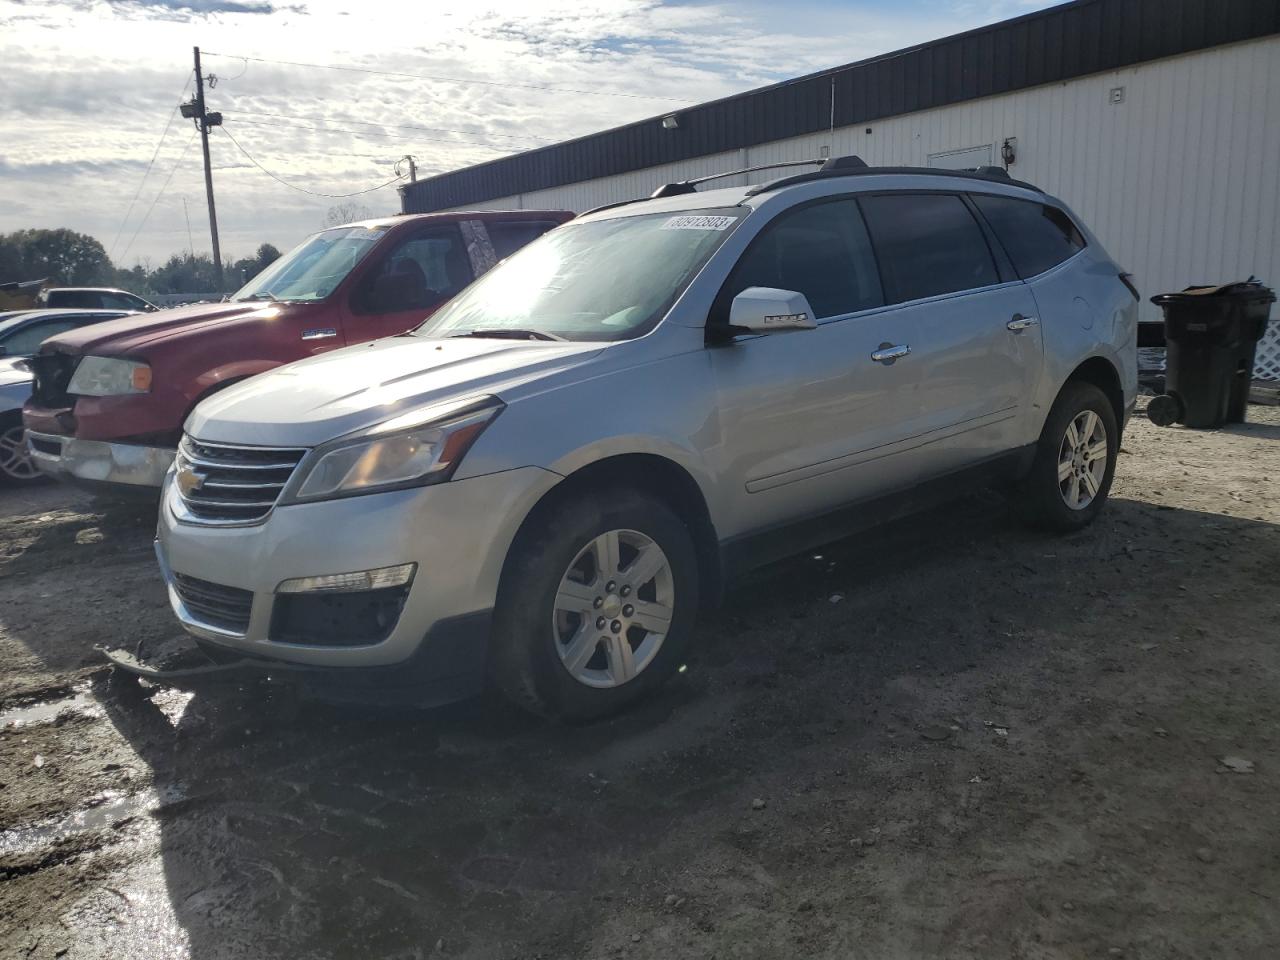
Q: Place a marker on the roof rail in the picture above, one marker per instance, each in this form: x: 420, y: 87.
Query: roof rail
x: 855, y: 166
x: 690, y: 186
x: 830, y: 167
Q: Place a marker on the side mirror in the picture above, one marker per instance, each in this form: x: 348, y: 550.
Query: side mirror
x: 770, y: 310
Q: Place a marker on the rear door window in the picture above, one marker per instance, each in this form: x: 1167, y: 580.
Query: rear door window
x: 1036, y: 236
x: 821, y: 250
x: 508, y: 236
x: 26, y: 340
x: 927, y: 244
x: 79, y: 299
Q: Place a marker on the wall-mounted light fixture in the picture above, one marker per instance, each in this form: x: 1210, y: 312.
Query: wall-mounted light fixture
x: 671, y: 122
x: 1009, y: 151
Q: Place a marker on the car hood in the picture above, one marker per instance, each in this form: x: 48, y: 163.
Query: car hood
x: 318, y: 399
x: 132, y: 334
x: 14, y: 370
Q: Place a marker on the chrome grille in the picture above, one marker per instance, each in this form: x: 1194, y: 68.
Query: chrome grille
x: 226, y: 484
x: 213, y: 604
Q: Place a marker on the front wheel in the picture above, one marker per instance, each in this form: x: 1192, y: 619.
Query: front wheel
x: 17, y: 469
x: 597, y: 605
x: 1074, y: 463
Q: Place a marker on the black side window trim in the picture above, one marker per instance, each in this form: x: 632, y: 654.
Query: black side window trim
x: 1004, y: 263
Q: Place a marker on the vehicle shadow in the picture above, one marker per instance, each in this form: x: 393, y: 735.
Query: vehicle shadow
x: 294, y: 828
x: 1264, y: 431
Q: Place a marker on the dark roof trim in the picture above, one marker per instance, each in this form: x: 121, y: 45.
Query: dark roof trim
x: 989, y: 174
x: 1067, y: 41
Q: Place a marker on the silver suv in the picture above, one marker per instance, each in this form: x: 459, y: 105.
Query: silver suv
x: 549, y: 479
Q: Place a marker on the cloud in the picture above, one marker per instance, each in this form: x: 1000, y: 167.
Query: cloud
x: 89, y: 85
x: 203, y: 7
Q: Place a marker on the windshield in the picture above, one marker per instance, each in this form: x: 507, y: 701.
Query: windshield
x: 11, y: 322
x: 312, y: 269
x: 603, y: 280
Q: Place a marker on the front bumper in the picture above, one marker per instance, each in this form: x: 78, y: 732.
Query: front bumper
x: 458, y: 534
x: 424, y: 680
x: 97, y: 463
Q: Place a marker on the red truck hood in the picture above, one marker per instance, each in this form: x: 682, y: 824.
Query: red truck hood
x: 130, y: 335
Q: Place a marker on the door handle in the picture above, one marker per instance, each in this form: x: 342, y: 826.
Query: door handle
x: 1019, y: 322
x: 889, y: 353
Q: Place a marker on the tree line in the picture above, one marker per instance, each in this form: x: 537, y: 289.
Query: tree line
x: 70, y: 259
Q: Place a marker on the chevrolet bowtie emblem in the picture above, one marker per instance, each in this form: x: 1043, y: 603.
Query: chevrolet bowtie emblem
x: 188, y: 480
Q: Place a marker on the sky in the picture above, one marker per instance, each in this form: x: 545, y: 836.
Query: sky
x: 90, y: 138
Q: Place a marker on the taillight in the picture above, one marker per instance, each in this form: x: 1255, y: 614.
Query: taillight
x: 1127, y: 280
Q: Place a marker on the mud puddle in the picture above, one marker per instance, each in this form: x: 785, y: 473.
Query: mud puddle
x: 109, y: 809
x: 80, y: 703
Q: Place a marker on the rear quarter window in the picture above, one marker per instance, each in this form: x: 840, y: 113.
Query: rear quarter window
x: 1036, y: 236
x: 508, y: 236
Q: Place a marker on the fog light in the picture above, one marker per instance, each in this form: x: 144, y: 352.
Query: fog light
x: 352, y: 582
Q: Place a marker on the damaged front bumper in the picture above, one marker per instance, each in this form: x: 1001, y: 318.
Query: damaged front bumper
x: 188, y: 663
x: 99, y: 464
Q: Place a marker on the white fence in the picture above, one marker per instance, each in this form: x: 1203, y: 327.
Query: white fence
x: 1266, y: 365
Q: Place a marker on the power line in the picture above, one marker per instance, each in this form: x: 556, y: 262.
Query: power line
x: 146, y: 173
x: 396, y: 126
x: 164, y: 186
x: 421, y: 76
x: 292, y: 186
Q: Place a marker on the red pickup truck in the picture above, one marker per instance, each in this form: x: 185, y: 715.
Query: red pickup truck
x: 109, y: 401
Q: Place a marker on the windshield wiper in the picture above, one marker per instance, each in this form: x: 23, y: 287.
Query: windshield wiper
x: 502, y: 333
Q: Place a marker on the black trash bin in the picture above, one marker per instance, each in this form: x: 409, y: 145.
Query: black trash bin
x: 1211, y: 336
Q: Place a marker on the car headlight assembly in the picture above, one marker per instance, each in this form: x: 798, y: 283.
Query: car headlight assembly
x: 109, y: 377
x: 394, y: 454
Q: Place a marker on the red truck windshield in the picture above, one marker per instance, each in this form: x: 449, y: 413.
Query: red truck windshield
x: 311, y: 270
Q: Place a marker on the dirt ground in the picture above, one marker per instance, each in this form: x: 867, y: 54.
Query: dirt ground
x: 951, y: 738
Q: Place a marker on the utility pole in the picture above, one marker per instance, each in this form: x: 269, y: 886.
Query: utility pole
x: 413, y: 169
x: 205, y: 121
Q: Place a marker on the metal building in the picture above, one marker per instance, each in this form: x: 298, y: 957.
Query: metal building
x: 1158, y: 121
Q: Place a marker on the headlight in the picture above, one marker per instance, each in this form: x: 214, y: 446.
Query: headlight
x: 408, y: 451
x: 109, y: 377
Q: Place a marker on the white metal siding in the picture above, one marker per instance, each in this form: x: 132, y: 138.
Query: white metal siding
x: 1180, y: 181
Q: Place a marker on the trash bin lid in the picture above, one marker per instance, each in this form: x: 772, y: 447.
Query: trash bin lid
x: 1249, y: 289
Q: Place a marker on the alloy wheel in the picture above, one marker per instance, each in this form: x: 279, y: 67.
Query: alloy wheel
x: 1082, y: 460
x: 613, y: 608
x: 15, y: 459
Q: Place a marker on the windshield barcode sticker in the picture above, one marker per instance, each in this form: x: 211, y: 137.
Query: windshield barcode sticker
x: 698, y: 223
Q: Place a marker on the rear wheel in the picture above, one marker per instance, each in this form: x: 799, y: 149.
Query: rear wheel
x: 597, y: 605
x: 17, y: 469
x: 1075, y: 461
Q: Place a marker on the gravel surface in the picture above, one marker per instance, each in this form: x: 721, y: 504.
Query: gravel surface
x: 948, y: 738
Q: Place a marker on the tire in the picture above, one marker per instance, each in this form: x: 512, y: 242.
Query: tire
x: 557, y: 647
x: 16, y: 467
x: 1067, y: 469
